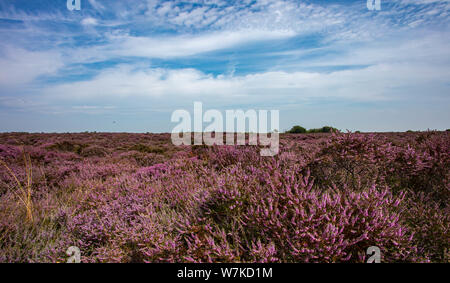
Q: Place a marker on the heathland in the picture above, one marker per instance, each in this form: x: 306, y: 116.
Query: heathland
x: 137, y: 198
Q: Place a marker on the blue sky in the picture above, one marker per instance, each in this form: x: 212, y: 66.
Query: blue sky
x: 127, y: 65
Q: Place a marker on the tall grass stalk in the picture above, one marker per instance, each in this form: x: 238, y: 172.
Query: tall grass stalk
x: 25, y: 189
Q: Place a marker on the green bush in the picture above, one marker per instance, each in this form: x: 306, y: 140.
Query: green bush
x: 328, y: 129
x: 300, y: 130
x: 325, y: 129
x: 297, y: 130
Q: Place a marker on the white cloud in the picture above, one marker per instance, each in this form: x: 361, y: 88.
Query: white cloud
x: 220, y: 15
x: 174, y: 46
x: 404, y: 67
x: 19, y: 66
x: 394, y: 62
x: 380, y: 82
x: 423, y: 1
x: 96, y: 5
x: 89, y: 21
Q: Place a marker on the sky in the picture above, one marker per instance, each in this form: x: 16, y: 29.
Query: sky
x: 125, y: 66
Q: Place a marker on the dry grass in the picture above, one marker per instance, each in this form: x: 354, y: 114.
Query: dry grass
x: 23, y: 191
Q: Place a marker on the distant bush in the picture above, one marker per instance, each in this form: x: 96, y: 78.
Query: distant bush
x: 325, y: 129
x: 300, y: 130
x: 297, y: 130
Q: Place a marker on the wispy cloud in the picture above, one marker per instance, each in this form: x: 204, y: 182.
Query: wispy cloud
x: 89, y: 21
x: 20, y: 66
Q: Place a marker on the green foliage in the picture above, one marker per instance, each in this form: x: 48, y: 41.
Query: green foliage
x: 297, y: 130
x: 300, y: 130
x: 325, y: 129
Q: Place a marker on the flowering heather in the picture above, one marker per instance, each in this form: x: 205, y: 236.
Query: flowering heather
x: 137, y: 198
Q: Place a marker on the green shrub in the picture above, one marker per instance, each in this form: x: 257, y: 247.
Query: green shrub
x: 300, y: 130
x: 297, y: 130
x: 325, y: 129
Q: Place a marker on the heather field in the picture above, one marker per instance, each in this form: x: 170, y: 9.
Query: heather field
x: 137, y: 198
